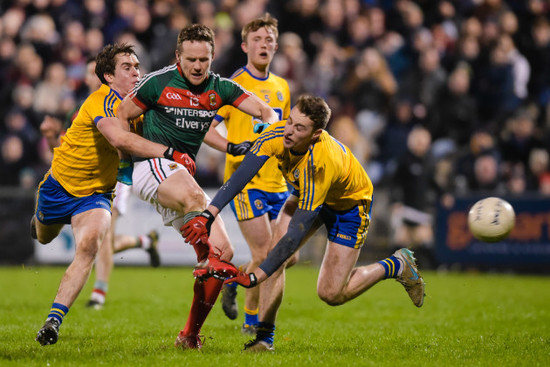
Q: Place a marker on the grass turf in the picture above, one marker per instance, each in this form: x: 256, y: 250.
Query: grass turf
x: 467, y: 320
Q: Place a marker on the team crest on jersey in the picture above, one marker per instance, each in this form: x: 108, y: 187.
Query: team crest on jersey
x: 173, y: 166
x: 280, y: 96
x: 212, y: 99
x: 296, y: 173
x: 258, y: 204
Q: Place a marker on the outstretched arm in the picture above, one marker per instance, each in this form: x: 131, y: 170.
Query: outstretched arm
x: 298, y: 228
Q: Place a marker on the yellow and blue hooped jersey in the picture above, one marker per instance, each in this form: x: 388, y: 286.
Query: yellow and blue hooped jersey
x: 85, y: 162
x: 327, y: 174
x: 275, y: 92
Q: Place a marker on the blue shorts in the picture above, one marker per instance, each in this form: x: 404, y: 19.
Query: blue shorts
x: 348, y: 227
x: 253, y: 203
x: 55, y: 205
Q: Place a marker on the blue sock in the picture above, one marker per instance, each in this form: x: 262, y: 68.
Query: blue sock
x: 265, y: 332
x: 58, y: 311
x: 232, y: 285
x: 391, y: 266
x: 250, y: 316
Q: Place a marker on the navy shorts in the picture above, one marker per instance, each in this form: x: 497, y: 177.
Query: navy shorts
x: 253, y: 203
x: 54, y: 205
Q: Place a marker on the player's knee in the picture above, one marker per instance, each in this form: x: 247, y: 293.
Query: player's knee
x: 194, y: 198
x: 329, y: 297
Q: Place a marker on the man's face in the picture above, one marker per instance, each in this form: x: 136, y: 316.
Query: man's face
x: 126, y: 74
x: 299, y: 132
x: 195, y: 59
x: 260, y: 46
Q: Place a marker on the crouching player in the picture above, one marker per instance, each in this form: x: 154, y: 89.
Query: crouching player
x: 329, y: 187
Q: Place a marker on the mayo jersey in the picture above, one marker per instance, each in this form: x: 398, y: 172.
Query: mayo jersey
x: 85, y: 162
x: 327, y: 174
x: 177, y: 113
x: 240, y: 126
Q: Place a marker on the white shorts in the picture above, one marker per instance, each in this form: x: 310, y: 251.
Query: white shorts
x: 120, y: 202
x: 147, y: 177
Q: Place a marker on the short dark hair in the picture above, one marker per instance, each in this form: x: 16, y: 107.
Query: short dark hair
x: 196, y: 32
x: 266, y: 21
x: 316, y: 109
x: 106, y: 59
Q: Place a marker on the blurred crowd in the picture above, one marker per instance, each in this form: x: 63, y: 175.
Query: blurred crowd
x: 435, y: 97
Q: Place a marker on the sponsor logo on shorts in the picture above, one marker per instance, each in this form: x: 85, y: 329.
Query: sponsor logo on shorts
x: 343, y: 236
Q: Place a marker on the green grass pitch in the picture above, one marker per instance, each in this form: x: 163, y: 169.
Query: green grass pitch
x: 467, y: 320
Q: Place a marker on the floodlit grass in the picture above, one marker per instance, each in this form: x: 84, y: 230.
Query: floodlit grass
x: 466, y: 320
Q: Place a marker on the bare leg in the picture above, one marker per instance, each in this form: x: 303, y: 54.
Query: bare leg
x: 257, y: 233
x: 89, y: 229
x: 339, y: 281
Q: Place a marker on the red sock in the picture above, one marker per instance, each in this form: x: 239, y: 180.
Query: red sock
x: 206, y: 293
x: 202, y: 248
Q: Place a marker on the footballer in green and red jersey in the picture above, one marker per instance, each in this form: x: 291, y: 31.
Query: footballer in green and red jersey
x: 178, y: 113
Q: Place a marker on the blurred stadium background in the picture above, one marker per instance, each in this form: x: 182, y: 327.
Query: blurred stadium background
x: 443, y: 102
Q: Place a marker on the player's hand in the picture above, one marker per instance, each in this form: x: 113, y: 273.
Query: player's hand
x: 239, y: 149
x: 181, y: 158
x: 247, y: 280
x: 260, y: 127
x: 198, y: 228
x: 125, y: 170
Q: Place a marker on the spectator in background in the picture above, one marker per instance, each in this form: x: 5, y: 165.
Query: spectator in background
x: 521, y: 69
x: 538, y: 54
x: 164, y: 36
x: 518, y: 140
x: 52, y: 91
x: 414, y: 192
x: 326, y: 70
x: 539, y: 165
x: 368, y: 90
x: 12, y: 160
x: 454, y: 114
x: 487, y: 177
x: 303, y: 20
x: 497, y: 98
x: 291, y: 62
x: 481, y: 142
x: 424, y: 82
x: 393, y: 140
x: 40, y: 31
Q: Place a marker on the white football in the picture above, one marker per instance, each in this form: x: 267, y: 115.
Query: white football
x: 491, y: 219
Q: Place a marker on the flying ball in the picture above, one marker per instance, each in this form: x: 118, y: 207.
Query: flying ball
x: 491, y: 219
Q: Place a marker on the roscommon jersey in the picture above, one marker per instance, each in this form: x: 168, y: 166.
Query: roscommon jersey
x: 240, y: 126
x: 327, y: 174
x: 85, y: 162
x: 178, y: 113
